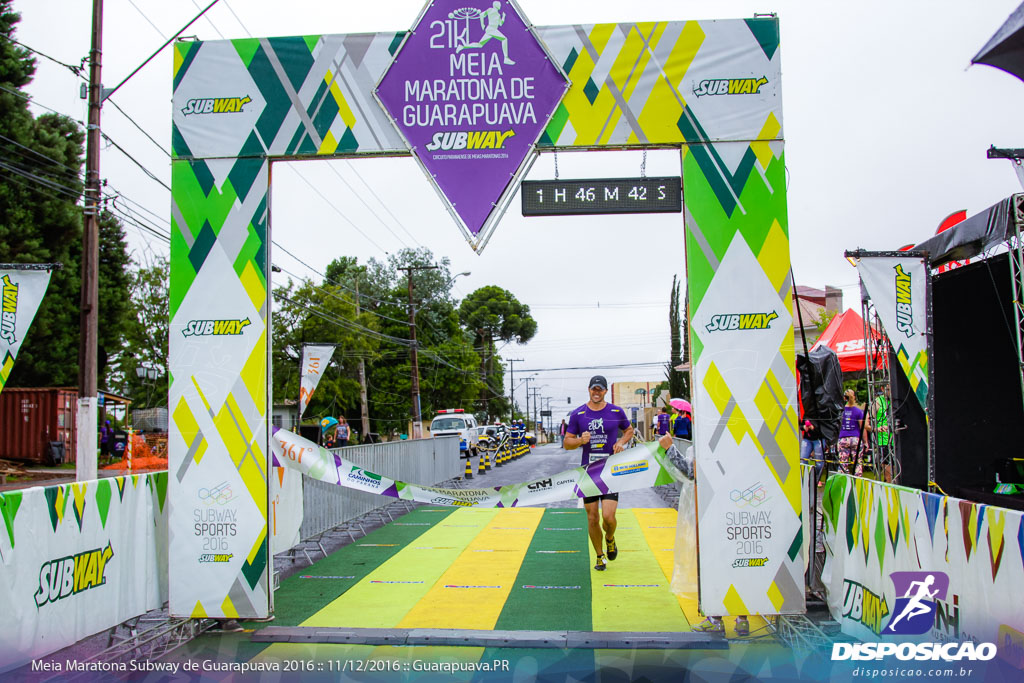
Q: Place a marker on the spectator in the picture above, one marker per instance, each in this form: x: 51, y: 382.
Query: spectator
x: 850, y: 430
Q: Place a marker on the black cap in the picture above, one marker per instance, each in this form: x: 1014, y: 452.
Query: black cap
x: 598, y: 381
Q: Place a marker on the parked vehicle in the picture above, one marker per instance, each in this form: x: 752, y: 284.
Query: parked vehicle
x: 457, y: 422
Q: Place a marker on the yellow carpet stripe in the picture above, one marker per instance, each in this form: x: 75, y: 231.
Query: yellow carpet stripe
x: 621, y: 598
x: 383, y: 605
x: 485, y: 572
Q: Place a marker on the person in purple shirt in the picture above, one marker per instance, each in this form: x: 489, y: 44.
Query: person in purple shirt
x: 595, y: 425
x: 850, y: 430
x: 663, y: 421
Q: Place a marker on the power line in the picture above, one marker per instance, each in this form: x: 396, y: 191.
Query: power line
x: 141, y: 130
x: 155, y: 28
x: 29, y: 98
x: 135, y: 161
x: 77, y: 70
x: 339, y: 212
x: 599, y: 367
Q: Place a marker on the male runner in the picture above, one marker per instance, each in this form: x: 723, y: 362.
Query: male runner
x: 495, y: 18
x: 595, y: 425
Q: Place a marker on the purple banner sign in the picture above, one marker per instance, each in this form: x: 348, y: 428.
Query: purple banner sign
x: 471, y: 89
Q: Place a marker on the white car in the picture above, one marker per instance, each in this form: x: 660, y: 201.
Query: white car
x: 457, y: 422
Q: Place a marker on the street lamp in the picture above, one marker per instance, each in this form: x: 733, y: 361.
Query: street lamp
x: 417, y: 414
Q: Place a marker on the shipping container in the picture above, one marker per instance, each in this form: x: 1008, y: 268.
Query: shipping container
x: 32, y: 418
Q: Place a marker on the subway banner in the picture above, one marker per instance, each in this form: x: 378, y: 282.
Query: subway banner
x: 711, y: 88
x: 21, y: 292
x: 640, y: 467
x: 77, y: 559
x: 315, y: 358
x: 897, y: 286
x: 877, y: 536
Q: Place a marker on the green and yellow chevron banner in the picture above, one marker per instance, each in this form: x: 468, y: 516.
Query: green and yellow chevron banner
x: 710, y: 87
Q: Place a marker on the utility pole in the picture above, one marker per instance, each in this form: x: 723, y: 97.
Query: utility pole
x: 512, y: 387
x: 362, y: 379
x: 527, y: 380
x: 535, y: 401
x: 417, y: 416
x: 86, y: 463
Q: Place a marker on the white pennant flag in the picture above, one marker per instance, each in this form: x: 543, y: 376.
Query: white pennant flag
x: 21, y: 292
x: 897, y: 288
x: 314, y: 361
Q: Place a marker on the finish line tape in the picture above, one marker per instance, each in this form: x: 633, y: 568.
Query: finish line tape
x: 640, y: 467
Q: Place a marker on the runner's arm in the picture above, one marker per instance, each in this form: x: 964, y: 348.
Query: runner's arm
x: 620, y: 445
x: 572, y: 442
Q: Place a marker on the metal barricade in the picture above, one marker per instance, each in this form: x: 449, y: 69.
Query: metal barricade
x: 417, y: 461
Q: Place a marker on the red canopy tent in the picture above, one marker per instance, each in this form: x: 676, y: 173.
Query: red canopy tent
x: 845, y: 336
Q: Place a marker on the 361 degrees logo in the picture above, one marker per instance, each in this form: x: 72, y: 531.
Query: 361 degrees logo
x: 916, y: 593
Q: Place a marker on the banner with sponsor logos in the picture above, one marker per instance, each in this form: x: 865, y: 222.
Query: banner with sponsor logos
x: 77, y: 559
x: 881, y: 538
x: 746, y: 435
x: 21, y: 292
x: 711, y: 87
x: 898, y: 290
x: 315, y: 358
x: 639, y: 467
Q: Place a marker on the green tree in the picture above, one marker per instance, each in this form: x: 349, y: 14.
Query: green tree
x: 147, y: 335
x: 307, y: 313
x: 493, y: 313
x: 41, y: 222
x: 678, y: 380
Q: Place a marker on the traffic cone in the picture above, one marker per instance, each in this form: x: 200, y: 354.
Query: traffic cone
x: 480, y: 464
x: 487, y: 461
x: 469, y: 469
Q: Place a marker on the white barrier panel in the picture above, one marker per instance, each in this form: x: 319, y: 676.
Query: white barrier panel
x: 286, y: 509
x: 873, y: 530
x: 77, y: 559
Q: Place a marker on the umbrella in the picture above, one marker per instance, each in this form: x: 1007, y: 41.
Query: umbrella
x: 1005, y: 50
x: 681, y: 404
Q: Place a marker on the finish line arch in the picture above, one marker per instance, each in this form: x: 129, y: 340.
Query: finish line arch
x: 710, y: 88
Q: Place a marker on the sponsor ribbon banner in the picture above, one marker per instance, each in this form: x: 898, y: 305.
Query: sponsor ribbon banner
x: 897, y: 289
x: 314, y: 361
x: 21, y: 292
x: 77, y: 559
x: 471, y: 89
x: 911, y: 566
x: 639, y: 467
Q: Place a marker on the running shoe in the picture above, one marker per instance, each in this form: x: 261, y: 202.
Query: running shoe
x: 613, y: 550
x: 710, y: 625
x: 742, y: 626
x: 600, y: 566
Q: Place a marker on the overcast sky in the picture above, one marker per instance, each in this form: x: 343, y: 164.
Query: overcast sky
x: 886, y: 129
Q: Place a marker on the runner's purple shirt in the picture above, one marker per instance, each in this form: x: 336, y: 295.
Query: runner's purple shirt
x: 603, y: 425
x: 662, y: 423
